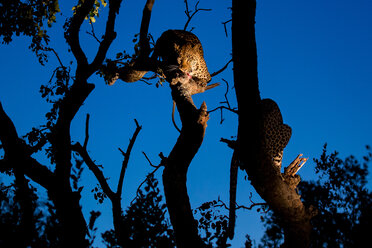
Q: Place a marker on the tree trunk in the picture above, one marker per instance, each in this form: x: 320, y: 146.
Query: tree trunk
x: 194, y: 123
x: 268, y: 182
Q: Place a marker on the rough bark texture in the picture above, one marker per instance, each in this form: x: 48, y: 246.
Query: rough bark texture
x: 268, y: 182
x: 194, y: 123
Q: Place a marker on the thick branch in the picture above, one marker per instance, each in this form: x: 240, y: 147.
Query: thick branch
x: 72, y: 33
x: 109, y: 36
x: 16, y: 154
x: 145, y: 23
x: 194, y: 123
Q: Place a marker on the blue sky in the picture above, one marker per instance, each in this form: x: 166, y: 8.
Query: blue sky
x: 314, y: 60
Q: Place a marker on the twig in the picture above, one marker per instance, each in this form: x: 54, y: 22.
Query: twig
x: 162, y: 163
x: 86, y: 132
x: 148, y: 160
x: 230, y: 143
x: 224, y: 25
x: 57, y: 56
x: 222, y: 69
x: 190, y: 14
x: 227, y: 102
x: 93, y: 33
x: 240, y: 206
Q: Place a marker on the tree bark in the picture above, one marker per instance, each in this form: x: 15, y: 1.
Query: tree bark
x: 194, y: 123
x: 268, y: 182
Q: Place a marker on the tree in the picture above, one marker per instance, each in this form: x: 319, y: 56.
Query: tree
x: 57, y: 131
x: 69, y: 88
x: 23, y: 214
x: 277, y: 189
x: 342, y: 199
x: 144, y: 220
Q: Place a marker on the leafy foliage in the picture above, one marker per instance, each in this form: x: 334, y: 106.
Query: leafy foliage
x: 28, y: 18
x: 212, y: 224
x: 22, y: 214
x: 144, y: 221
x: 342, y: 199
x: 94, y: 12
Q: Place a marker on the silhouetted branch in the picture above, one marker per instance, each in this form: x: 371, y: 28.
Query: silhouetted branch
x: 126, y: 158
x: 190, y: 14
x: 145, y: 23
x: 222, y: 69
x: 93, y: 34
x: 253, y: 204
x: 224, y: 26
x: 94, y: 168
x: 234, y: 110
x: 72, y: 33
x: 162, y: 163
x: 16, y: 154
x: 109, y: 36
x: 86, y: 132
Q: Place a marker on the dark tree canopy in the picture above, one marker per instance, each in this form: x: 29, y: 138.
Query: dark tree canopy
x: 31, y: 18
x: 342, y: 198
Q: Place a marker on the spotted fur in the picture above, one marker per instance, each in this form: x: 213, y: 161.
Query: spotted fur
x: 276, y: 135
x: 183, y: 49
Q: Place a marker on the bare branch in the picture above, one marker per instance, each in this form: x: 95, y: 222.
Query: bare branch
x: 94, y: 168
x: 234, y: 110
x: 240, y: 206
x: 126, y: 158
x: 295, y: 166
x: 162, y: 163
x: 190, y: 14
x: 86, y: 132
x: 92, y: 33
x: 224, y: 25
x: 222, y: 69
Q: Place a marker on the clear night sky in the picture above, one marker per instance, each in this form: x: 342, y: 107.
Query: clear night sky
x: 314, y: 60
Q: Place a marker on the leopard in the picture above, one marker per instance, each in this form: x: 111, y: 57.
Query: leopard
x: 274, y: 138
x: 275, y: 135
x: 183, y: 50
x: 174, y: 50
